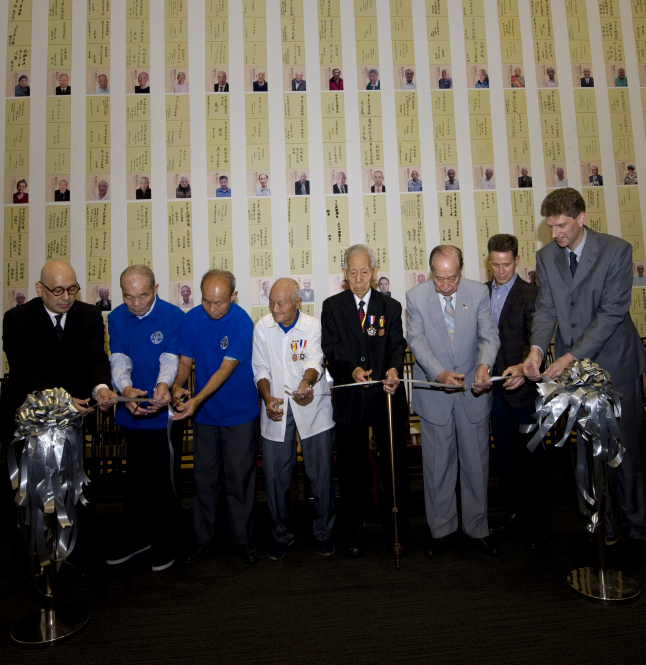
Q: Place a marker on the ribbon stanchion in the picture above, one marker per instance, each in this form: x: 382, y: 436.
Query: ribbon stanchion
x: 594, y: 408
x: 49, y: 482
x: 397, y: 548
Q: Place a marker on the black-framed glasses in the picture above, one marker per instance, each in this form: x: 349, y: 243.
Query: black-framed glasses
x: 59, y: 290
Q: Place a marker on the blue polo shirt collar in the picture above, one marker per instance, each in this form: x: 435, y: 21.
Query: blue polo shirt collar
x: 150, y: 314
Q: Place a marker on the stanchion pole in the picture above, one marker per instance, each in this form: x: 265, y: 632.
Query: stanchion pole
x: 397, y: 548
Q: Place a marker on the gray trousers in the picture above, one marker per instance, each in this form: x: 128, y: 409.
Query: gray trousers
x: 442, y: 447
x: 279, y: 460
x: 224, y: 462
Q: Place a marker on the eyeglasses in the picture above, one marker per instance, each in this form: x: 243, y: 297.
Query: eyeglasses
x: 59, y: 290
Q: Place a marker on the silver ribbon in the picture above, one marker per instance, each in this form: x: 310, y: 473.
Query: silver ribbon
x: 50, y: 478
x: 594, y: 407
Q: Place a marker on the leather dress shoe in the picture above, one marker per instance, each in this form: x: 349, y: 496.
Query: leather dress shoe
x: 249, y: 553
x: 510, y: 520
x: 486, y: 546
x: 436, y: 546
x: 197, y: 554
x: 355, y: 545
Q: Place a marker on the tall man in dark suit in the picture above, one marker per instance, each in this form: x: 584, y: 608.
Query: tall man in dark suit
x: 525, y: 476
x: 584, y: 289
x: 52, y: 341
x: 363, y: 339
x: 524, y: 180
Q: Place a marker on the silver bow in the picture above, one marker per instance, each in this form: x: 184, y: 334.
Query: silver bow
x: 594, y: 406
x: 50, y: 478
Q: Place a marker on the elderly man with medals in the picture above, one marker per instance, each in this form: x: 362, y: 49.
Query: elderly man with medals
x: 286, y: 362
x: 363, y: 340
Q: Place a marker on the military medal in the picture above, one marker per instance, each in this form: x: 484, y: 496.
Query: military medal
x: 294, y: 348
x: 382, y: 323
x: 372, y: 331
x: 303, y: 345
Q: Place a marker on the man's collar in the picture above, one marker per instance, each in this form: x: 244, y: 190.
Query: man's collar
x: 365, y: 298
x: 579, y: 248
x: 148, y: 314
x: 508, y: 284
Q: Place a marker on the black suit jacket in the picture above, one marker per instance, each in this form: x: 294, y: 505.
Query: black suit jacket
x: 590, y: 84
x: 38, y: 360
x: 217, y: 85
x: 599, y: 180
x: 65, y: 196
x: 303, y: 87
x: 528, y: 181
x: 515, y: 329
x: 139, y: 193
x: 346, y: 347
x: 335, y: 189
x: 383, y: 188
x: 297, y: 187
x: 59, y: 90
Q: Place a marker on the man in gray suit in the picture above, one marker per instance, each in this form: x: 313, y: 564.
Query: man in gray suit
x: 455, y: 342
x: 584, y: 288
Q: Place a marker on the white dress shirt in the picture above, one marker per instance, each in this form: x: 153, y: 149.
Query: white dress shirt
x: 272, y: 360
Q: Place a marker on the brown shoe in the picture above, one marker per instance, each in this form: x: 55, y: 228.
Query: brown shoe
x: 510, y: 520
x: 486, y: 546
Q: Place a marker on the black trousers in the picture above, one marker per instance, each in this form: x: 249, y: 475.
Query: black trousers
x: 151, y: 507
x: 526, y: 477
x: 352, y: 443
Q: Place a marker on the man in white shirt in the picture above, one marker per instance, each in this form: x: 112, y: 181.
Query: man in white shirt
x: 550, y: 81
x: 408, y: 83
x: 488, y: 181
x: 103, y: 88
x: 287, y: 369
x: 263, y: 190
x: 102, y: 194
x: 560, y: 180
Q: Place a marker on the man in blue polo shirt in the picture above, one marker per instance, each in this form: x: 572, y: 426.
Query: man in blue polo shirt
x: 218, y: 335
x: 144, y: 346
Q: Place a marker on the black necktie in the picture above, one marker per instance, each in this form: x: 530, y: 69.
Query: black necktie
x: 573, y: 263
x: 58, y: 327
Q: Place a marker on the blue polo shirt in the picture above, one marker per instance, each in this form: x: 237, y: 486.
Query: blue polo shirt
x: 144, y: 340
x: 208, y: 341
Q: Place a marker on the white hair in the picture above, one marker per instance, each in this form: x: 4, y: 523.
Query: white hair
x: 353, y: 251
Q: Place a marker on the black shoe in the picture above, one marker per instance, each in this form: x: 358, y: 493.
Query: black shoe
x: 163, y: 558
x: 508, y: 523
x: 486, y: 546
x: 355, y: 545
x: 124, y: 552
x: 326, y: 547
x: 197, y: 554
x: 277, y: 550
x: 436, y: 547
x: 249, y: 553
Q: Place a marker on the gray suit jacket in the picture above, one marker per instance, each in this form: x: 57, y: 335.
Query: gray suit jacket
x: 475, y: 343
x: 591, y: 309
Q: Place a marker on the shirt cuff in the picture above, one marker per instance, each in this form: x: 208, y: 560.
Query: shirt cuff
x: 96, y: 390
x: 534, y: 346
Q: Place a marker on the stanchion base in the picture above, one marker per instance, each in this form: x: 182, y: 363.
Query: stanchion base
x: 618, y: 589
x: 38, y: 630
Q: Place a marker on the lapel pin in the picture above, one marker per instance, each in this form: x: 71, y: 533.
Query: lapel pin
x: 464, y: 306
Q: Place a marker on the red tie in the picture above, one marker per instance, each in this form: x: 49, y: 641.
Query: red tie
x: 362, y: 314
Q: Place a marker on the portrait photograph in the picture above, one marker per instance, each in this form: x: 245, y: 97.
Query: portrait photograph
x: 441, y: 77
x: 336, y: 180
x: 217, y: 79
x: 176, y: 80
x: 213, y: 189
x: 556, y: 175
x: 179, y: 185
x: 410, y: 179
x: 582, y: 76
x: 255, y: 79
x: 591, y: 174
x: 414, y: 277
x: 520, y: 175
x: 484, y: 176
x: 368, y: 77
x: 59, y: 82
x: 373, y: 180
x: 181, y: 294
x: 16, y: 190
x: 404, y: 77
x: 97, y: 81
x: 97, y: 187
x: 332, y: 78
x: 58, y: 189
x: 513, y: 75
x: 616, y: 76
x: 547, y: 75
x: 447, y: 177
x: 18, y: 83
x: 259, y: 183
x: 298, y: 182
x: 14, y: 297
x: 138, y: 186
x: 294, y: 79
x: 259, y: 288
x: 138, y: 81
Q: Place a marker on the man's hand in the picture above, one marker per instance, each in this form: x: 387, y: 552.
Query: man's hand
x: 273, y: 411
x: 450, y: 379
x: 481, y: 380
x: 81, y: 404
x: 178, y: 392
x: 556, y: 368
x: 392, y: 381
x: 532, y: 364
x: 103, y: 397
x: 359, y: 375
x: 161, y: 397
x: 304, y: 391
x: 134, y: 407
x: 186, y: 409
x: 512, y: 384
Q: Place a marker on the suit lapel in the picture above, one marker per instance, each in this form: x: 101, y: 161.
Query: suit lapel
x: 45, y: 324
x: 562, y: 265
x: 513, y: 295
x: 437, y: 316
x: 352, y: 315
x: 588, y: 257
x: 461, y: 303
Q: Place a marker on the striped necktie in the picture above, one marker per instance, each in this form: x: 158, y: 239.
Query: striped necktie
x: 362, y: 313
x: 449, y: 317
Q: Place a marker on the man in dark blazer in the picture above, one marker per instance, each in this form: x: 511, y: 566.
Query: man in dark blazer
x: 584, y: 290
x: 587, y: 81
x: 525, y: 476
x: 63, y: 88
x: 362, y: 339
x: 524, y: 180
x: 52, y: 341
x: 62, y: 193
x: 302, y: 185
x: 596, y: 180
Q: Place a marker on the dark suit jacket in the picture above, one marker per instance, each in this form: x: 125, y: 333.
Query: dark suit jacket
x: 257, y: 88
x: 303, y: 87
x: 142, y: 91
x: 335, y: 189
x: 347, y: 347
x: 587, y: 85
x: 528, y: 182
x: 38, y: 360
x: 383, y: 188
x: 62, y: 197
x: 514, y: 330
x: 217, y: 85
x: 139, y: 193
x: 68, y: 90
x: 297, y: 187
x: 599, y: 180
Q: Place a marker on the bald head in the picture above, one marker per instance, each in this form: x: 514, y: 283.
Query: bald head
x: 53, y: 276
x: 284, y: 301
x: 56, y: 270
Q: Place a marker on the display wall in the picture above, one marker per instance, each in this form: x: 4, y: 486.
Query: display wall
x: 266, y: 136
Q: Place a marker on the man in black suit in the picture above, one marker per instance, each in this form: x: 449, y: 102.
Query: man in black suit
x: 52, y: 341
x: 596, y: 180
x: 302, y: 187
x: 298, y: 84
x: 221, y: 85
x: 525, y: 476
x: 587, y: 81
x: 362, y: 339
x: 339, y: 186
x: 63, y: 87
x: 524, y: 180
x: 62, y: 193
